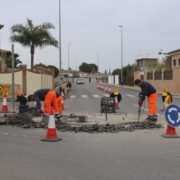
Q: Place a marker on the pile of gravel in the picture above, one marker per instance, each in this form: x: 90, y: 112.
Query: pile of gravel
x: 110, y: 128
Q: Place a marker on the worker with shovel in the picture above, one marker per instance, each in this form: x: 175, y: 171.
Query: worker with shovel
x: 149, y: 91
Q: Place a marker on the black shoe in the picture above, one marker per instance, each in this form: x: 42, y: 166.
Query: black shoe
x: 149, y: 118
x: 154, y: 118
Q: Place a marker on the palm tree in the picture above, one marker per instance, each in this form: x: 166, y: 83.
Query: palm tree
x: 33, y: 36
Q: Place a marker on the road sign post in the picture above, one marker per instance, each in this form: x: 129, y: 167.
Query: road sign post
x: 172, y: 116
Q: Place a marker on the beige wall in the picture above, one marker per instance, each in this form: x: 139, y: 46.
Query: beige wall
x: 172, y: 85
x: 33, y: 81
x: 37, y: 81
x: 6, y: 78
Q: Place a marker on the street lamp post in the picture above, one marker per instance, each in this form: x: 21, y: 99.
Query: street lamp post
x: 68, y: 54
x: 60, y: 43
x: 121, y: 54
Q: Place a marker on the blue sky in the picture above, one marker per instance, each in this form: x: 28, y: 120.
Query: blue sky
x: 91, y: 26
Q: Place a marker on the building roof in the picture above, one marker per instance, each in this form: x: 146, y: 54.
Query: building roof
x: 146, y: 56
x: 177, y: 51
x: 8, y: 52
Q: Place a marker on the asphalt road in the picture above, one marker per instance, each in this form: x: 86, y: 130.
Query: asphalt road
x: 140, y: 155
x: 86, y: 99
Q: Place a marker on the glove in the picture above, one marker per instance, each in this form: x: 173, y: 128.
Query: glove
x: 40, y: 111
x: 58, y: 116
x: 140, y: 103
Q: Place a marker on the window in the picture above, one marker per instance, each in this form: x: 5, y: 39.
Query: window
x: 179, y: 62
x: 174, y: 62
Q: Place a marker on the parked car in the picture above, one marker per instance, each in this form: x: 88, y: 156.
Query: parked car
x: 80, y: 81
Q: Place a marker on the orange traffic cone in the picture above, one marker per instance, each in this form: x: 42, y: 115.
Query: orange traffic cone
x: 116, y: 105
x: 109, y: 92
x: 170, y: 132
x: 4, y: 105
x: 51, y: 133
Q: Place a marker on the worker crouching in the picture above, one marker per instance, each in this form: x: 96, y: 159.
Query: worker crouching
x: 149, y: 91
x: 50, y: 100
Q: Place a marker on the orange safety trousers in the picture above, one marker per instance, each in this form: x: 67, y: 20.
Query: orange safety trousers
x: 50, y: 100
x: 152, y: 103
x: 60, y: 105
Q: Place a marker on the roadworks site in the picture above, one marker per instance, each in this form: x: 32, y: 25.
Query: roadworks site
x: 90, y: 123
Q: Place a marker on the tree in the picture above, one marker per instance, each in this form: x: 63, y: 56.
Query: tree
x: 66, y: 75
x: 88, y: 68
x: 56, y: 70
x: 8, y: 60
x: 76, y: 74
x: 33, y: 36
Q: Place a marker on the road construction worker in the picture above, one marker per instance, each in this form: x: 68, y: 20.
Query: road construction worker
x: 22, y: 99
x: 49, y: 98
x: 166, y: 98
x: 149, y: 91
x: 69, y: 85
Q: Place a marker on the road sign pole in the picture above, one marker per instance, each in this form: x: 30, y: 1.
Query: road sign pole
x: 13, y: 91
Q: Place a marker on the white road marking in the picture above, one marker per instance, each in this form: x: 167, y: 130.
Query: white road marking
x: 84, y: 96
x: 73, y: 96
x: 130, y: 95
x: 147, y: 110
x: 106, y: 95
x: 96, y: 95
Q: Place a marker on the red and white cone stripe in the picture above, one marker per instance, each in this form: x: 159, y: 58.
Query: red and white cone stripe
x: 116, y: 103
x: 4, y: 105
x: 109, y: 92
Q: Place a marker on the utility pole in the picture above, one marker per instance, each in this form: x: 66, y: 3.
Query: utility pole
x: 68, y: 54
x: 13, y: 97
x: 121, y: 54
x: 98, y: 61
x: 60, y: 83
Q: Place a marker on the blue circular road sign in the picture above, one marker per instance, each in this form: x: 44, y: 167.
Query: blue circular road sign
x: 172, y: 115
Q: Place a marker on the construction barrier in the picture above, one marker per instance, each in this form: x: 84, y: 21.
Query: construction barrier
x: 51, y: 133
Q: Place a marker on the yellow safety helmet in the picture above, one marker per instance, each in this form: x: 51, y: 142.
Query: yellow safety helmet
x: 165, y: 91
